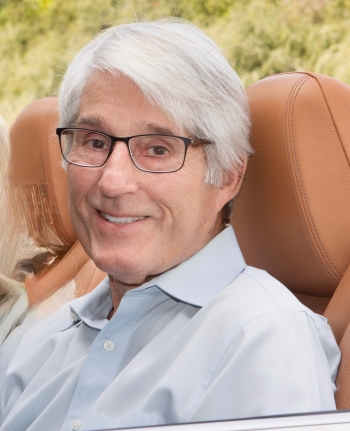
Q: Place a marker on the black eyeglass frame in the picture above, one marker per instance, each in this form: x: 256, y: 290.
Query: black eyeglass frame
x: 114, y: 139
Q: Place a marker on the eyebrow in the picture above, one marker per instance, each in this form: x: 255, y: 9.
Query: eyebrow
x: 101, y: 125
x: 155, y: 129
x: 87, y: 121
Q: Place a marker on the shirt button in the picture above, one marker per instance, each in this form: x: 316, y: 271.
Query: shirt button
x: 108, y: 345
x: 74, y: 316
x: 76, y: 424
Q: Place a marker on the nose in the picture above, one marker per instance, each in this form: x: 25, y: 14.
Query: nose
x: 119, y: 174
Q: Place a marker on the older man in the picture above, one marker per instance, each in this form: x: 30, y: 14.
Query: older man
x: 154, y: 135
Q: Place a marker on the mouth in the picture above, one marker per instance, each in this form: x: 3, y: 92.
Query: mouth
x: 120, y: 220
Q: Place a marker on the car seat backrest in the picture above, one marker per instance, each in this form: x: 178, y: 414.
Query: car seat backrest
x: 35, y: 161
x: 292, y: 216
x: 39, y: 187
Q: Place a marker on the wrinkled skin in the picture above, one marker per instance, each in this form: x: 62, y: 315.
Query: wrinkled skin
x: 183, y: 213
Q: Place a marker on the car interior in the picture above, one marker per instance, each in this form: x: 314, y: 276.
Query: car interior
x: 291, y: 217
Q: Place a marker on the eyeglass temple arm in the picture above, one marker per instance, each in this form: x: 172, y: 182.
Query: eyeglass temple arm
x: 198, y: 141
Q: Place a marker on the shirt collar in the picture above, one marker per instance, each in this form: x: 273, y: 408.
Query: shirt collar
x: 195, y: 281
x: 93, y: 308
x: 199, y: 279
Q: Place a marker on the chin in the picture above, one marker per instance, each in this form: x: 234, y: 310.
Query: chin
x: 125, y: 269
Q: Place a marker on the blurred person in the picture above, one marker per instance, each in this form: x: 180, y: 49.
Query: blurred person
x: 154, y: 133
x: 13, y: 297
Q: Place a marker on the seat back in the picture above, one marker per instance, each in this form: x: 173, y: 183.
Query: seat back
x: 292, y: 216
x: 39, y: 191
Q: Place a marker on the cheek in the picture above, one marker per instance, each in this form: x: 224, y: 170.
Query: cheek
x: 79, y: 184
x: 185, y: 199
x: 73, y: 188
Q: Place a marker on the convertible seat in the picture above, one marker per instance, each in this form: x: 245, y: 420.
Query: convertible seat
x: 39, y: 188
x: 292, y: 216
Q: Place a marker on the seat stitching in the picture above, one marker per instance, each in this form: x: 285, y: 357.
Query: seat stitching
x: 331, y: 115
x: 302, y: 188
x: 49, y: 174
x: 295, y: 191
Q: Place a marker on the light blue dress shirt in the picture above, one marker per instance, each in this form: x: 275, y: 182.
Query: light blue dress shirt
x: 210, y: 339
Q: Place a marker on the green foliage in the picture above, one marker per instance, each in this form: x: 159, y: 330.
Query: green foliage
x: 260, y: 37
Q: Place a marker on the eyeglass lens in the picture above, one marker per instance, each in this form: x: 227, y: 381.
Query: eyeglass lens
x: 151, y: 153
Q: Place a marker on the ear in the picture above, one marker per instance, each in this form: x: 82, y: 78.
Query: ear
x: 232, y: 183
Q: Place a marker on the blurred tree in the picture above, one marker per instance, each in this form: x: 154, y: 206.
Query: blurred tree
x: 260, y: 37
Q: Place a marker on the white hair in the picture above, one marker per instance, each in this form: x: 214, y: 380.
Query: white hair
x: 182, y: 71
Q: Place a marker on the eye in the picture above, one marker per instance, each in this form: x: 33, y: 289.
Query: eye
x: 96, y: 144
x: 158, y: 150
x: 156, y: 147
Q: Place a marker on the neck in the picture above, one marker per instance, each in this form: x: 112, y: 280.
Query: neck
x: 119, y: 288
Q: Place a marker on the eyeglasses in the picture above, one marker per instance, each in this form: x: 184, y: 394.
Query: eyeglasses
x: 150, y: 153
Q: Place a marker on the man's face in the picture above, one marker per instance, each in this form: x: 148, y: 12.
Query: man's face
x: 180, y: 210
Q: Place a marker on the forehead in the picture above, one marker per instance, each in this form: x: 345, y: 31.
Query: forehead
x: 115, y: 104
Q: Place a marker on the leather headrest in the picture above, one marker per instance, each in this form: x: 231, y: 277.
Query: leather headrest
x: 292, y: 216
x: 35, y: 161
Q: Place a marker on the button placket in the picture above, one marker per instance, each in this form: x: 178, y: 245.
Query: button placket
x: 100, y: 368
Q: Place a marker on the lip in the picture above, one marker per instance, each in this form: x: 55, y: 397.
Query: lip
x: 122, y: 224
x: 120, y: 215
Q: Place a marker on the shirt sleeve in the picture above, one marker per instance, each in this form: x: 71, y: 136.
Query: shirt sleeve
x: 7, y: 351
x: 282, y: 362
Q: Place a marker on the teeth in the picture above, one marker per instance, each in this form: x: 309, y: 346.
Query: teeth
x: 121, y: 220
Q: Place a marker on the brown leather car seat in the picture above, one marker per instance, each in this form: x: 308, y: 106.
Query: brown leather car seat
x: 39, y: 182
x: 292, y: 216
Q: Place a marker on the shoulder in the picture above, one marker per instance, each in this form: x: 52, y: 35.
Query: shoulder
x: 33, y: 324
x: 32, y: 333
x: 257, y: 292
x: 260, y: 287
x: 258, y: 303
x: 259, y: 320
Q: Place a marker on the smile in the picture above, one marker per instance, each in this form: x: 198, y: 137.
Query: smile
x: 120, y: 220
